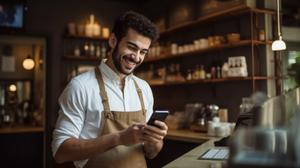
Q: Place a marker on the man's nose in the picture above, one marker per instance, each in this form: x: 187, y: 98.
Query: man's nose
x: 135, y: 56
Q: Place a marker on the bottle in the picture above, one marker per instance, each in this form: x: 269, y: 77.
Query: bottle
x: 225, y: 69
x: 7, y: 117
x: 189, y: 75
x: 171, y: 76
x: 218, y: 72
x: 196, y: 73
x: 202, y: 72
x: 77, y: 51
x: 92, y: 49
x: 178, y: 74
x: 103, y: 52
x: 98, y: 50
x: 2, y: 96
x: 86, y: 49
x: 213, y: 72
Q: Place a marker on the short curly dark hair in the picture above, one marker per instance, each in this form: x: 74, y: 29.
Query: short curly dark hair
x: 137, y: 22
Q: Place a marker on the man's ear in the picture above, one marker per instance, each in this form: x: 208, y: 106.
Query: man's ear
x: 112, y: 41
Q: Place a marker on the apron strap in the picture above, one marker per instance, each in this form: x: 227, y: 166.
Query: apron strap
x: 103, y: 94
x: 139, y: 91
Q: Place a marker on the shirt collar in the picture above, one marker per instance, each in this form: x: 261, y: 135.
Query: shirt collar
x: 110, y: 74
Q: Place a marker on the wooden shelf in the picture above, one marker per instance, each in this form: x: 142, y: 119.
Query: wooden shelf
x: 209, y: 49
x: 235, y: 11
x: 15, y: 78
x: 20, y: 129
x: 81, y: 58
x: 85, y: 38
x: 220, y: 80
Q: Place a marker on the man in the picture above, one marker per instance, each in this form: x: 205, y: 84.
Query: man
x: 103, y: 113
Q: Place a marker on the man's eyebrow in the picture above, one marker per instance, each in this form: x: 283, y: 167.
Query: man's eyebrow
x: 136, y: 46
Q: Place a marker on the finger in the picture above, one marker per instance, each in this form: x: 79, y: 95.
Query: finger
x: 158, y: 125
x: 150, y: 133
x: 150, y: 139
x: 139, y: 125
x: 158, y: 132
x: 161, y: 125
x: 155, y: 134
x: 155, y: 130
x: 138, y: 128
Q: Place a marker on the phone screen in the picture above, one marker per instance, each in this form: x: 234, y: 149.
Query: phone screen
x: 160, y: 115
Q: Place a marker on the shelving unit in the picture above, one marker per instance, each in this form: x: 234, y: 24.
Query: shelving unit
x: 23, y: 114
x: 21, y: 129
x: 30, y: 84
x: 81, y: 58
x: 178, y: 93
x: 203, y: 81
x: 73, y: 62
x: 77, y: 37
x: 228, y: 13
x: 232, y: 12
x: 209, y: 49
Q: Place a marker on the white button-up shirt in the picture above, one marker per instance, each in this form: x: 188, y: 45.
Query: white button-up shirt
x: 81, y: 105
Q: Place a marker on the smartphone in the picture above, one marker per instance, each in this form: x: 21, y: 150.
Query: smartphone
x: 160, y: 115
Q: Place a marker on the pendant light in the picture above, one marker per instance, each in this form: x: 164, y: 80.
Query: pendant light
x: 279, y: 44
x: 28, y: 63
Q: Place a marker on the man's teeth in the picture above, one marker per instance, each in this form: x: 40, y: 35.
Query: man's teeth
x: 129, y: 62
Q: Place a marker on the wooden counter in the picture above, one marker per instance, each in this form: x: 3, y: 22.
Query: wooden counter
x: 20, y: 129
x: 189, y: 136
x: 190, y: 159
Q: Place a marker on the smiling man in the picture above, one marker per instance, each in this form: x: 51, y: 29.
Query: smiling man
x: 103, y: 113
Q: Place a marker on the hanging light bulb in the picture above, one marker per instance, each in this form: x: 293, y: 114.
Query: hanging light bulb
x: 279, y: 44
x: 28, y: 63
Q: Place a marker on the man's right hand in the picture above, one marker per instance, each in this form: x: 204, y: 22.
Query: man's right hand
x: 132, y: 135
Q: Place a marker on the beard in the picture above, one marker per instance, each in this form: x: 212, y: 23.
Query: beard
x: 118, y: 58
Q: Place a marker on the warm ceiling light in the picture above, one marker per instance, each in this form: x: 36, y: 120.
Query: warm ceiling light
x: 28, y: 63
x: 12, y: 88
x: 279, y: 44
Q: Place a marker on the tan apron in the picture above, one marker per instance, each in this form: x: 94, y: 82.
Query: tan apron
x: 121, y: 156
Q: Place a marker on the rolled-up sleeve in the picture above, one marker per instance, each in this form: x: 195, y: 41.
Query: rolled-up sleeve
x: 71, y: 114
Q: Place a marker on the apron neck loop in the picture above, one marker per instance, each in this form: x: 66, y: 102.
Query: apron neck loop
x: 103, y: 94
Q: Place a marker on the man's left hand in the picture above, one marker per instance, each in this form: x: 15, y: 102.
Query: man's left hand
x: 153, y: 138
